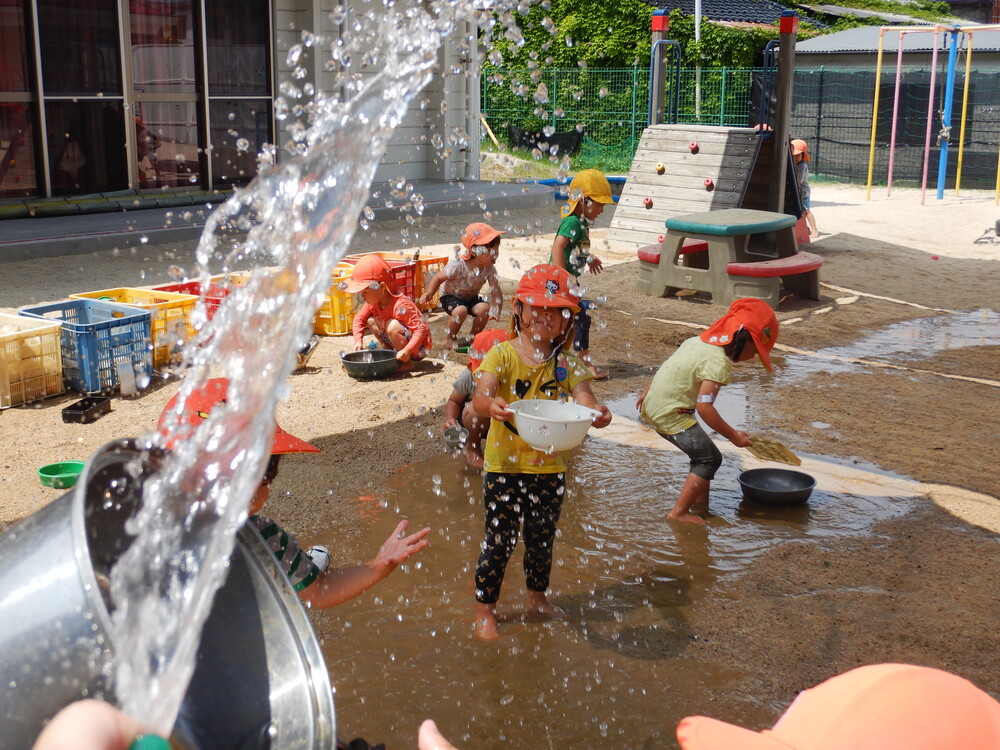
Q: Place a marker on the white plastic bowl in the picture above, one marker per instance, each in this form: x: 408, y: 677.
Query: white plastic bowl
x: 552, y: 425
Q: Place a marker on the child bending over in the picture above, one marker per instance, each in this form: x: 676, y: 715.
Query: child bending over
x: 463, y: 278
x: 688, y: 384
x: 393, y: 318
x: 458, y: 409
x: 521, y: 484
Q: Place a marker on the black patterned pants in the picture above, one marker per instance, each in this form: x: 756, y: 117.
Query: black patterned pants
x: 512, y: 499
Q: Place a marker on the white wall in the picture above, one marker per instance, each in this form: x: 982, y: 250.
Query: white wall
x: 412, y: 153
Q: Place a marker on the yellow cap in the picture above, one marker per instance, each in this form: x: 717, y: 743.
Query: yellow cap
x: 589, y: 183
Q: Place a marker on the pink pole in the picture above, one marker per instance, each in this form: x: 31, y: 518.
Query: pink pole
x: 895, y: 113
x: 930, y: 116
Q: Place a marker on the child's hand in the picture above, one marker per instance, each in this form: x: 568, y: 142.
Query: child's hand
x: 403, y: 356
x: 595, y: 265
x: 605, y: 419
x: 359, y: 345
x: 398, y: 547
x: 424, y: 298
x: 499, y: 411
x: 740, y: 439
x: 451, y: 422
x: 642, y: 397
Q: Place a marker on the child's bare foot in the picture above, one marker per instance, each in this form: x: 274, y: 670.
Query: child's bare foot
x: 540, y: 603
x: 599, y: 373
x: 404, y: 366
x: 485, y: 628
x: 473, y: 456
x: 686, y: 518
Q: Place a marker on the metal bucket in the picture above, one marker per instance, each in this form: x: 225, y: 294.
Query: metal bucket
x: 260, y: 679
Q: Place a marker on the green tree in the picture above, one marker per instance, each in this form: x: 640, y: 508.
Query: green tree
x: 567, y: 33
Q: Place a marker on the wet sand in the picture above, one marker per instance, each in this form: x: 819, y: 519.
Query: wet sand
x: 919, y: 588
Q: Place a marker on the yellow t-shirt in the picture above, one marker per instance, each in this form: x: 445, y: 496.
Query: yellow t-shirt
x: 504, y: 451
x: 670, y: 404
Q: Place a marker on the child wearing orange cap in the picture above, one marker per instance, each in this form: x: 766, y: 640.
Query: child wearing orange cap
x: 589, y: 192
x: 687, y: 385
x: 522, y: 484
x: 463, y: 278
x: 458, y: 411
x: 393, y: 318
x: 800, y: 160
x: 315, y: 584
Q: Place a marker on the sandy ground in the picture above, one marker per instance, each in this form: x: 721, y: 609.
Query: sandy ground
x: 921, y: 589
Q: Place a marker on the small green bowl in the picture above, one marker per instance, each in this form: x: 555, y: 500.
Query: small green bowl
x: 462, y: 349
x: 62, y: 475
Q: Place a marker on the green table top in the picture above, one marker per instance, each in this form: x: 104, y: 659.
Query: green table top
x: 727, y: 222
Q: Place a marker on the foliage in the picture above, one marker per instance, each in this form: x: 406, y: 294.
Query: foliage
x: 565, y: 33
x: 929, y: 10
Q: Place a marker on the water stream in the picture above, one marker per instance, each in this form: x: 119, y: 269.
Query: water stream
x: 300, y: 216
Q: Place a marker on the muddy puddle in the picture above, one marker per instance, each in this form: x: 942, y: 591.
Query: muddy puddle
x: 630, y: 581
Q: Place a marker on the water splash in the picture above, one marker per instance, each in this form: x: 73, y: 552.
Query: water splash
x: 303, y: 214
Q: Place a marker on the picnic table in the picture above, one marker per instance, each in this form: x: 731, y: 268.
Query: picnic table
x: 730, y: 253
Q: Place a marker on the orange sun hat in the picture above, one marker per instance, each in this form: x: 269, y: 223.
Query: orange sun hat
x: 483, y: 342
x: 753, y: 314
x: 369, y: 269
x: 876, y: 707
x: 207, y: 396
x: 799, y: 146
x: 546, y: 285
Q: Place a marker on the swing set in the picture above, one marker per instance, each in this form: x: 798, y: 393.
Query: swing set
x: 953, y: 42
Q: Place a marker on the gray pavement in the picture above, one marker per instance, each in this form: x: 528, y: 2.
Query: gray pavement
x: 31, y: 238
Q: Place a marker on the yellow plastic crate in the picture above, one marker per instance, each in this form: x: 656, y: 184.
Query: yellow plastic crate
x: 170, y: 317
x: 336, y: 315
x: 30, y: 360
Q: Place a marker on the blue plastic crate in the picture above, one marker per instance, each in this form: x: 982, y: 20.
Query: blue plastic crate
x: 96, y: 337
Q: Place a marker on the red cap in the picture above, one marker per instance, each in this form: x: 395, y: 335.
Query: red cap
x: 799, y: 146
x: 546, y: 285
x: 206, y: 397
x: 877, y: 707
x: 483, y: 342
x: 370, y: 268
x: 478, y: 233
x: 753, y: 314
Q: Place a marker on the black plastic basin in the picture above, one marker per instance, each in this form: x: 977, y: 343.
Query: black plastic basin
x: 369, y: 364
x: 776, y: 486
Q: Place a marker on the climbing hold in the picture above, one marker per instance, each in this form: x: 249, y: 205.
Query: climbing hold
x: 693, y: 145
x: 647, y: 202
x: 660, y: 169
x: 709, y: 185
x: 659, y: 238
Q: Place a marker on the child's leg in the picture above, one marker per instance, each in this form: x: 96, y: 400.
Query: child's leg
x: 503, y: 522
x: 581, y: 341
x: 477, y: 428
x: 811, y: 223
x: 481, y: 316
x: 706, y: 459
x: 544, y: 502
x: 458, y: 316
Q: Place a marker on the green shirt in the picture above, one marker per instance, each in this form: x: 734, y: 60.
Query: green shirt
x: 670, y: 404
x: 577, y: 251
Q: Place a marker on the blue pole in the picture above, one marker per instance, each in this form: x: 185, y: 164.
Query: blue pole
x: 949, y: 93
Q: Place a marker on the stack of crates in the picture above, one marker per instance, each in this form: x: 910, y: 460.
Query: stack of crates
x: 219, y: 287
x: 403, y: 271
x: 30, y: 360
x: 427, y: 267
x: 336, y: 315
x: 96, y: 337
x: 170, y: 317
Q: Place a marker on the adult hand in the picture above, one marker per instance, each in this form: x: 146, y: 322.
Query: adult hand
x: 430, y: 738
x: 94, y: 725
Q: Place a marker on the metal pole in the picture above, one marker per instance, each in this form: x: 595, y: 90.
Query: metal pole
x: 930, y: 116
x: 722, y: 102
x: 787, y: 30
x: 878, y: 77
x: 949, y: 93
x: 895, y: 113
x: 658, y: 66
x: 965, y: 111
x: 635, y: 88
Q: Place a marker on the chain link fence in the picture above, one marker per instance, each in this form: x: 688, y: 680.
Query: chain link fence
x: 831, y: 110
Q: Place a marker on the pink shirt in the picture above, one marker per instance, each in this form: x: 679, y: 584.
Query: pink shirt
x: 406, y: 312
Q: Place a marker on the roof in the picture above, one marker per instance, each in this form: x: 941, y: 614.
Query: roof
x: 747, y: 11
x: 840, y: 11
x: 865, y: 39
